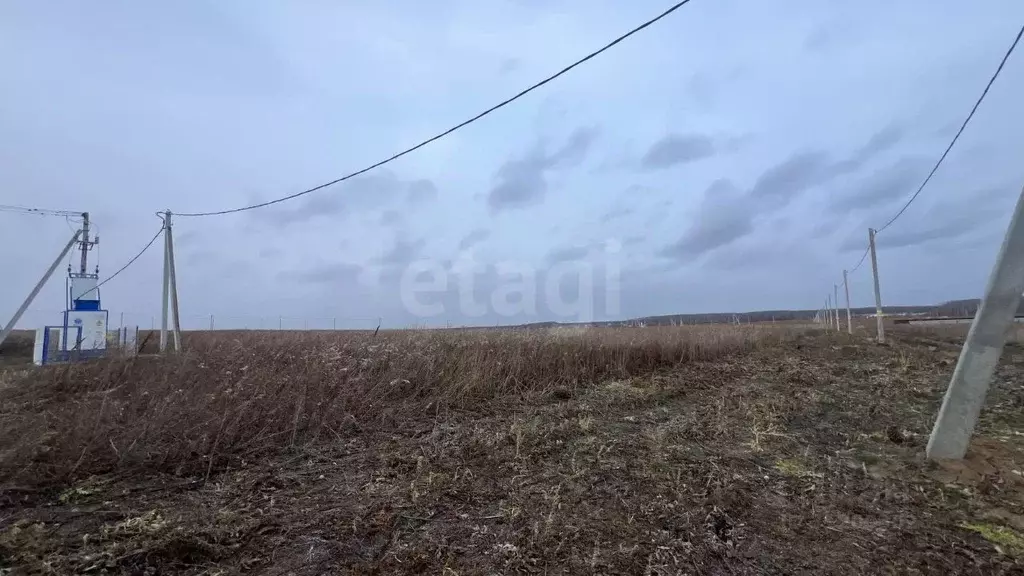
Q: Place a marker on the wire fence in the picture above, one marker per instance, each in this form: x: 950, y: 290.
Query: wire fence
x: 194, y: 322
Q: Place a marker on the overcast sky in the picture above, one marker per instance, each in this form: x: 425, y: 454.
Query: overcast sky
x: 729, y: 158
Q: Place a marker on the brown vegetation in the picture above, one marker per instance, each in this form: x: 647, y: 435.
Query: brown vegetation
x: 722, y: 450
x: 245, y: 395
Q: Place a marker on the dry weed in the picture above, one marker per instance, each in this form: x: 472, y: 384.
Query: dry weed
x: 233, y: 397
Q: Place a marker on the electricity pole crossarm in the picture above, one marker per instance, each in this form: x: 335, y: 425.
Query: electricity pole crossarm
x: 40, y: 211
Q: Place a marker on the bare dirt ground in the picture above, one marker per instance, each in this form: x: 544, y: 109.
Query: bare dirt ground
x: 804, y: 457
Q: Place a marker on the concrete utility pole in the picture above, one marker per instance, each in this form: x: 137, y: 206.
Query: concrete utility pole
x: 174, y: 286
x: 166, y: 283
x: 85, y: 243
x: 828, y: 311
x: 878, y: 292
x: 980, y: 354
x: 849, y: 317
x: 835, y: 291
x: 39, y: 286
x: 170, y: 290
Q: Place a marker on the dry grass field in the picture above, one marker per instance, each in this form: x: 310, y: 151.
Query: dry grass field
x: 691, y: 450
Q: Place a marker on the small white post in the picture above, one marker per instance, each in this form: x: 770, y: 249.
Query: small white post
x: 878, y: 292
x: 980, y: 354
x: 849, y: 317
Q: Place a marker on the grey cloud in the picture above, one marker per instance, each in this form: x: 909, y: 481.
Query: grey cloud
x: 508, y: 65
x: 879, y: 142
x: 822, y: 229
x: 521, y: 182
x: 950, y: 220
x: 855, y: 241
x: 980, y: 204
x: 357, y: 195
x: 747, y: 254
x: 792, y: 176
x: 722, y: 219
x: 421, y: 191
x: 889, y: 183
x: 660, y: 213
x: 883, y: 140
x: 709, y: 235
x: 186, y: 238
x: 473, y: 238
x: 677, y: 149
x: 199, y: 257
x: 805, y: 170
x: 575, y: 148
x: 338, y: 273
x: 818, y: 39
x: 948, y: 231
x: 390, y: 217
x: 567, y: 254
x: 220, y: 262
x: 403, y: 252
x: 616, y: 213
x: 269, y: 253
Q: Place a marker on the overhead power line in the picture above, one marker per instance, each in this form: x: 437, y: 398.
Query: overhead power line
x: 132, y: 261
x: 38, y: 211
x: 861, y: 260
x: 958, y: 132
x: 952, y: 142
x: 502, y: 104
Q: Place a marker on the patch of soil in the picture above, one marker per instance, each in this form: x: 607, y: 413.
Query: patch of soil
x: 803, y: 458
